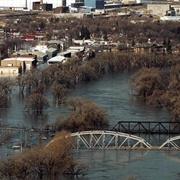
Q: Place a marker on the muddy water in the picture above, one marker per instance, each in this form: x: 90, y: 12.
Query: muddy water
x: 112, y: 93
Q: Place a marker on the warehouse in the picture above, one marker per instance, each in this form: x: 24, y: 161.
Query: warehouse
x: 26, y: 4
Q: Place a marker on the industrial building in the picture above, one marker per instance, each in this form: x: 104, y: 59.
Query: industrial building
x: 35, y: 4
x: 52, y: 4
x: 28, y: 4
x: 97, y: 4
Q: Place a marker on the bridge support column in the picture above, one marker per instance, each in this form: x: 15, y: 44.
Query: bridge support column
x: 91, y: 141
x: 116, y: 141
x: 103, y: 141
x: 78, y: 144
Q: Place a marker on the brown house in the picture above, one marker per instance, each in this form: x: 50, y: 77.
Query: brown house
x: 21, y: 62
x: 10, y: 71
x: 149, y: 48
x: 142, y: 48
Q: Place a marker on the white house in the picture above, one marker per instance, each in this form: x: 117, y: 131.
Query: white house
x: 41, y: 48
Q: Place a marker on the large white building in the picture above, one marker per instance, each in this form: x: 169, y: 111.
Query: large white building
x: 20, y: 4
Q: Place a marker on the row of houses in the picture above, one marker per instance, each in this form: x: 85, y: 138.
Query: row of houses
x: 129, y: 46
x: 22, y: 61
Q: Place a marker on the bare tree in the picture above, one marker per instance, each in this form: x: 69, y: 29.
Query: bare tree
x: 6, y: 86
x: 36, y: 103
x: 145, y: 81
x: 59, y: 92
x: 84, y: 115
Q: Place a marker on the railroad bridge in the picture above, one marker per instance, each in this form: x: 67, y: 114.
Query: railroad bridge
x: 147, y: 127
x: 121, y: 136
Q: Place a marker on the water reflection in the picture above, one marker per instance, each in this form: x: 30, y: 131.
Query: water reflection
x: 121, y: 164
x: 112, y: 93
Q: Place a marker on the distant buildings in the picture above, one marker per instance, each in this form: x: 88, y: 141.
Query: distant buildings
x: 158, y: 9
x: 35, y: 4
x: 97, y: 4
x: 166, y: 12
x: 27, y: 4
x: 52, y: 4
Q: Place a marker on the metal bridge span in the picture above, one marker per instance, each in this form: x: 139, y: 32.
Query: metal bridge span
x: 113, y: 139
x: 147, y: 127
x: 107, y: 140
x: 99, y: 139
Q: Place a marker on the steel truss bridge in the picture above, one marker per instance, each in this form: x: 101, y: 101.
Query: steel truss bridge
x: 100, y: 139
x: 107, y: 140
x: 147, y: 127
x: 122, y: 136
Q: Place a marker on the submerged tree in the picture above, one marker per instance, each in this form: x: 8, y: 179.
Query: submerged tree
x: 59, y: 92
x: 36, y: 103
x: 6, y: 86
x: 145, y: 81
x: 84, y: 115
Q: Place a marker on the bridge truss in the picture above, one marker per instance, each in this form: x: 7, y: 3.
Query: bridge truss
x: 147, y: 127
x: 107, y: 140
x: 171, y: 142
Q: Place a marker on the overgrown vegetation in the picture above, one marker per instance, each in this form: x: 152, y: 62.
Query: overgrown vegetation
x: 6, y: 86
x: 43, y: 162
x: 159, y: 88
x: 156, y: 80
x: 84, y: 115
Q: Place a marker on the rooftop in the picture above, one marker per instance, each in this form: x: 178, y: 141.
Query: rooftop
x: 57, y: 59
x: 19, y: 59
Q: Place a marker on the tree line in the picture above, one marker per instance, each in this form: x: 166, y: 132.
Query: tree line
x: 156, y: 81
x: 61, y: 79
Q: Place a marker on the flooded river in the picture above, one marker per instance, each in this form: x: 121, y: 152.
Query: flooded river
x: 112, y: 93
